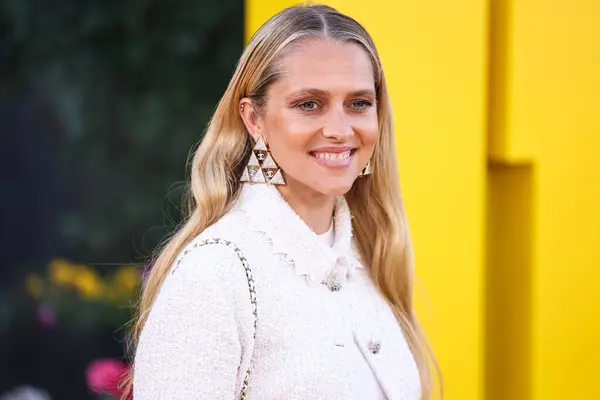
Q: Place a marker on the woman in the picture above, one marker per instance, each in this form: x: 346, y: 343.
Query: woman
x: 292, y: 276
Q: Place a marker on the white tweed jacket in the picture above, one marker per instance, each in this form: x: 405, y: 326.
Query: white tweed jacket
x: 311, y: 342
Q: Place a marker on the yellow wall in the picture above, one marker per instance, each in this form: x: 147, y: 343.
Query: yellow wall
x: 434, y: 55
x: 545, y: 99
x: 501, y: 182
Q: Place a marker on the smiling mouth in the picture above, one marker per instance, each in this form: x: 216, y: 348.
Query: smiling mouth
x: 329, y: 159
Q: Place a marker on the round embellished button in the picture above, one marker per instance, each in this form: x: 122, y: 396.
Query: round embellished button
x: 333, y: 282
x: 374, y: 346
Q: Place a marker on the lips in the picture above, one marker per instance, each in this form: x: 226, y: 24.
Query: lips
x: 333, y: 158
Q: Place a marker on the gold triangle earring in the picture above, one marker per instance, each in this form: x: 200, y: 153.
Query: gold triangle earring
x: 261, y: 167
x: 367, y: 170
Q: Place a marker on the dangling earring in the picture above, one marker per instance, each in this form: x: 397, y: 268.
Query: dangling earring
x: 262, y: 168
x: 367, y: 170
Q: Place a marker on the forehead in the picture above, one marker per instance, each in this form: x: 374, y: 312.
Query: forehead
x: 327, y: 65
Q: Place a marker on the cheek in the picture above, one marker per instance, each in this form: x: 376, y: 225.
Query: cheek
x: 288, y: 136
x: 286, y: 145
x: 368, y: 130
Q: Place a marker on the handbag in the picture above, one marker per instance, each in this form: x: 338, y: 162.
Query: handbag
x: 251, y: 288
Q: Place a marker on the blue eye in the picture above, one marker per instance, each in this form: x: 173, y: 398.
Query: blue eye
x: 361, y: 104
x: 308, y: 105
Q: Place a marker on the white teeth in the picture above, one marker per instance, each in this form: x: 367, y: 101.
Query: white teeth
x: 333, y: 156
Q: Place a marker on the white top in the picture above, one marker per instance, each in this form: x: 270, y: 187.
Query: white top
x: 311, y: 342
x: 328, y: 237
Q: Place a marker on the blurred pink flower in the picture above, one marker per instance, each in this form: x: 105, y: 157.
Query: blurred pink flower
x: 104, y: 375
x: 46, y: 317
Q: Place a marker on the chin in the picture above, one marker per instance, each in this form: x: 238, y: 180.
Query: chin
x: 335, y: 188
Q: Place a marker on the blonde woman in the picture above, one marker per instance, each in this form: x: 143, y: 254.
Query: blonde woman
x: 292, y: 276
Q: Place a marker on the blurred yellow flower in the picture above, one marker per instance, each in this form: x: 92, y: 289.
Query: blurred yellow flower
x: 34, y: 285
x: 62, y: 272
x: 88, y: 282
x: 127, y: 278
x: 111, y: 294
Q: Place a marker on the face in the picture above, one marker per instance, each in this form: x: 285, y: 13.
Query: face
x: 320, y: 121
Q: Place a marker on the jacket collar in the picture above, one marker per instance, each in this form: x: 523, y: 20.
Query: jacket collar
x: 268, y: 213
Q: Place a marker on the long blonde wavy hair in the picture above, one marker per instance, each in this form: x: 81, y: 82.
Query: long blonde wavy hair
x: 379, y: 223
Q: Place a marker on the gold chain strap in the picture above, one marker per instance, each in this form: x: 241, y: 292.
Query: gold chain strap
x: 251, y: 287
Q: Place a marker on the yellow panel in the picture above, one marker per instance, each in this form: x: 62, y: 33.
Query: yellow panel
x: 554, y: 90
x: 505, y: 145
x: 257, y: 12
x: 509, y: 282
x: 434, y: 54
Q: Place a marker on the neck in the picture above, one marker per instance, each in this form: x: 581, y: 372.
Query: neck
x: 315, y: 209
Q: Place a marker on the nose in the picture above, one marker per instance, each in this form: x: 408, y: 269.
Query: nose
x: 337, y: 126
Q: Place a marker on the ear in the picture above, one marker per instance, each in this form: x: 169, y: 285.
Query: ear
x: 250, y: 118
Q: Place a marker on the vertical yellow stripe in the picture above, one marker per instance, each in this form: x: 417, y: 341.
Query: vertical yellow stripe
x: 509, y: 282
x: 550, y: 77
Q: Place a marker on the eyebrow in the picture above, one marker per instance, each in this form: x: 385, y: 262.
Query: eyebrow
x: 319, y: 92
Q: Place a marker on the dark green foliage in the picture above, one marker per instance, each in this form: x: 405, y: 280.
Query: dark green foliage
x: 101, y: 102
x: 126, y: 88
